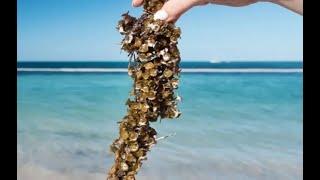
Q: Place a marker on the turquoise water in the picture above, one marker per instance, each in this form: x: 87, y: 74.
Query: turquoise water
x: 184, y: 64
x: 233, y: 126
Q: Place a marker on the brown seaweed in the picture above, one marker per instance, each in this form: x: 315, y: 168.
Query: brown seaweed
x: 154, y: 68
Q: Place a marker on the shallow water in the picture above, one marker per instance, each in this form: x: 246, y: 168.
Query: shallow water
x: 233, y: 126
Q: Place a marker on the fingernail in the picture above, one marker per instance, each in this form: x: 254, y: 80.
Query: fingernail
x: 161, y: 15
x: 134, y: 4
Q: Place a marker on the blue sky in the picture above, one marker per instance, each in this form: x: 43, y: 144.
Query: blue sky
x: 85, y: 30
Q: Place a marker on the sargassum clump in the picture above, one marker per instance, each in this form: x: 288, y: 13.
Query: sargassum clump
x: 154, y: 68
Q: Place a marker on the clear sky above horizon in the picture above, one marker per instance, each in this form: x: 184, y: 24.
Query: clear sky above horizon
x: 85, y: 30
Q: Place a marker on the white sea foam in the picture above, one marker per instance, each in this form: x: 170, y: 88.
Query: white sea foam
x: 185, y: 70
x: 215, y: 61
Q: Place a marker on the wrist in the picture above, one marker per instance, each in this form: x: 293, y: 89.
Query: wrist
x: 294, y: 5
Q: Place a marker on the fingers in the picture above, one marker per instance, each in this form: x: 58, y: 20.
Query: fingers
x: 137, y: 3
x: 173, y: 9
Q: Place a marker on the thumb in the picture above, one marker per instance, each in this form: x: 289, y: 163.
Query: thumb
x: 173, y: 9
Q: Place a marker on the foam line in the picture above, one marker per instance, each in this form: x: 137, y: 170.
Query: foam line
x: 186, y: 70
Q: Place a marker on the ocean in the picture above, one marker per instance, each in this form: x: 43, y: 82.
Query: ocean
x: 235, y: 125
x: 187, y: 66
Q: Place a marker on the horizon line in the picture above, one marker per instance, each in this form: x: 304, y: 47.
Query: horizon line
x: 183, y: 60
x: 183, y: 70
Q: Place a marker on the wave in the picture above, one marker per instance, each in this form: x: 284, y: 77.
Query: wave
x: 184, y: 70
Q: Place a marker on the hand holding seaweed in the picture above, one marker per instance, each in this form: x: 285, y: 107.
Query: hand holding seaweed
x: 154, y: 68
x: 174, y: 9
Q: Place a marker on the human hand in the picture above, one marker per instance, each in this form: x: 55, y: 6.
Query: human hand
x: 173, y: 9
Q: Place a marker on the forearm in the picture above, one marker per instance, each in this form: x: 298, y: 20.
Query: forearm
x: 294, y: 5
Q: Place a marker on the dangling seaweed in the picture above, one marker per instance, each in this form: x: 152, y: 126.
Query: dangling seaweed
x: 154, y: 68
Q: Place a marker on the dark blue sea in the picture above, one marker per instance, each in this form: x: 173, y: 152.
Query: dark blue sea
x: 184, y: 64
